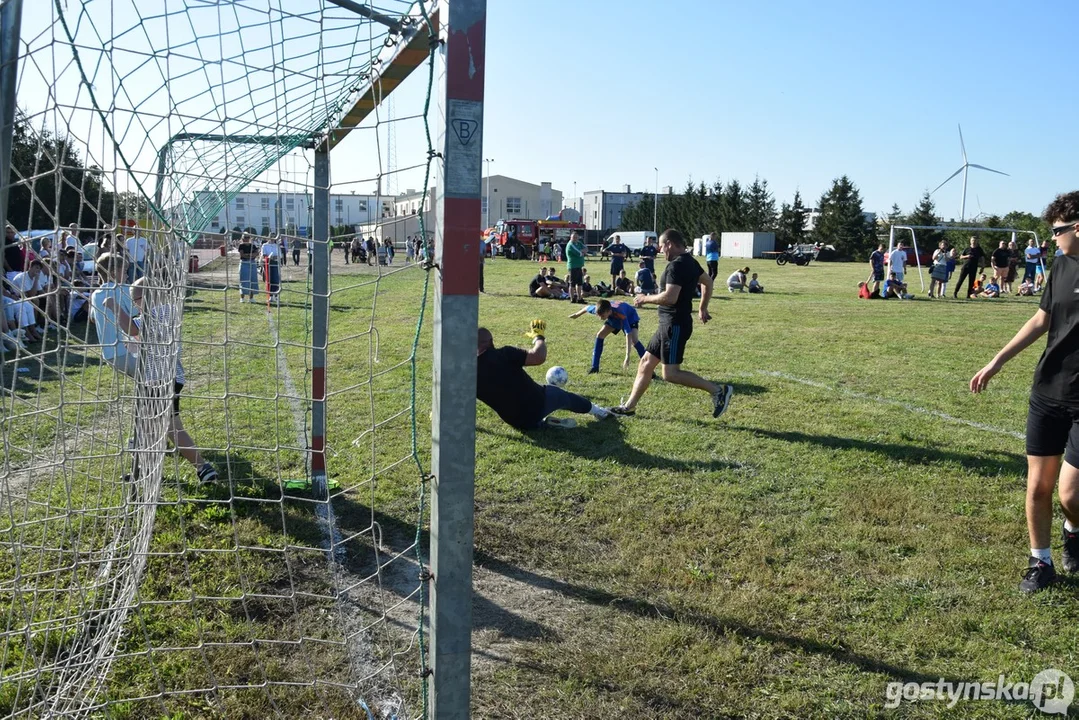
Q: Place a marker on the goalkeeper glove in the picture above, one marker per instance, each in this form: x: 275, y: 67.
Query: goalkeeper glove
x: 538, y: 330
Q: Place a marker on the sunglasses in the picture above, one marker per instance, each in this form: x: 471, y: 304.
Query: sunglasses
x: 1061, y: 229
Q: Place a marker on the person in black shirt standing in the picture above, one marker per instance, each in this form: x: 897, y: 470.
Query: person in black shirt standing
x: 1000, y: 259
x: 504, y: 386
x: 648, y: 255
x: 1053, y: 417
x: 675, y: 299
x: 618, y: 253
x: 972, y: 259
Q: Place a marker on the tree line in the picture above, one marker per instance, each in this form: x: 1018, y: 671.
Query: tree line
x: 841, y: 221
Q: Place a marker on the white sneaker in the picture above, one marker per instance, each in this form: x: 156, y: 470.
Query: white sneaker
x: 563, y: 424
x: 599, y: 412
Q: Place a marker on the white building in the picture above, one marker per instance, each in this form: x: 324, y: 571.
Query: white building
x: 288, y: 212
x: 602, y: 210
x: 811, y: 215
x: 516, y: 199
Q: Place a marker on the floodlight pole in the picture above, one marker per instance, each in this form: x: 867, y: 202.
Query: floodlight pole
x: 655, y: 206
x: 460, y: 77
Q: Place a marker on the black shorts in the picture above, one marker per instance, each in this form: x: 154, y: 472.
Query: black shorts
x: 878, y: 275
x: 576, y: 276
x: 1052, y: 429
x: 669, y: 342
x: 617, y: 266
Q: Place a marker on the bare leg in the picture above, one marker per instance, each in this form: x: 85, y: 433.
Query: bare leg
x: 645, y: 368
x: 675, y: 374
x: 183, y: 443
x: 1068, y: 488
x: 1042, y: 475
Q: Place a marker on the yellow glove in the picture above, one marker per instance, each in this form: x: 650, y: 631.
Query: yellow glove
x: 538, y: 329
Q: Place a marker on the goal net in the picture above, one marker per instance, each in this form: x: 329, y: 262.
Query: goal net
x: 212, y: 489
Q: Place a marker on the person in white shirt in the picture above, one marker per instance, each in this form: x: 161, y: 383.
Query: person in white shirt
x: 112, y: 312
x: 737, y: 280
x: 137, y: 247
x: 271, y: 256
x: 19, y: 294
x: 159, y: 340
x: 897, y: 261
x: 72, y: 240
x: 1032, y: 257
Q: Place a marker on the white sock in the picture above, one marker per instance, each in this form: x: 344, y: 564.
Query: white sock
x: 1069, y: 527
x: 1042, y: 554
x: 598, y: 411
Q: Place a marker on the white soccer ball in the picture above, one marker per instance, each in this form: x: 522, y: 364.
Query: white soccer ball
x: 557, y: 376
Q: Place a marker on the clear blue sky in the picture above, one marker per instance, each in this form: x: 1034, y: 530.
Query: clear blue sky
x: 600, y: 92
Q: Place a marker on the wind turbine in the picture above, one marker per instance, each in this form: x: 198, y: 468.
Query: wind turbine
x: 963, y: 169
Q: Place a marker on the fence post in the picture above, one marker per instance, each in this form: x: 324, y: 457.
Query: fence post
x: 462, y: 25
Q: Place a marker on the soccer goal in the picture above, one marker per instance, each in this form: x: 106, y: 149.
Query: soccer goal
x: 234, y: 481
x: 912, y: 229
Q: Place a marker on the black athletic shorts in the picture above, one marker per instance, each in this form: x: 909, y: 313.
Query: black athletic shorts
x: 617, y: 266
x: 576, y: 276
x: 669, y: 342
x: 176, y: 388
x: 1052, y: 429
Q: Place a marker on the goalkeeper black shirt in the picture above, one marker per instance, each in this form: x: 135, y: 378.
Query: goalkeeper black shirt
x: 503, y: 385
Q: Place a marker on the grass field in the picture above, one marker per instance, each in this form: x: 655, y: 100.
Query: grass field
x: 854, y: 520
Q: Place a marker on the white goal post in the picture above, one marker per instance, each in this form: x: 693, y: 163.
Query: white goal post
x: 962, y: 228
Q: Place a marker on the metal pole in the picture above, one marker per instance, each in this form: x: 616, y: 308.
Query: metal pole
x: 453, y: 430
x: 10, y: 22
x: 320, y: 317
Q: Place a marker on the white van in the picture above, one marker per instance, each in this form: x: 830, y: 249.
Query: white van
x: 633, y: 240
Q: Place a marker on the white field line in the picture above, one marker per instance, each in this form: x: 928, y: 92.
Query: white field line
x: 889, y: 401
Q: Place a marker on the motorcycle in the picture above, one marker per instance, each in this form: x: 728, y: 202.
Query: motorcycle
x: 795, y: 256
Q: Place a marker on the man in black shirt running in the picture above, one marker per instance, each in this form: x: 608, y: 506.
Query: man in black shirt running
x: 675, y: 299
x: 504, y: 386
x: 1053, y: 416
x: 972, y: 259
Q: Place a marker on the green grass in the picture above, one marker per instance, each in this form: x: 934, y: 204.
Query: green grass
x: 827, y: 536
x: 837, y: 530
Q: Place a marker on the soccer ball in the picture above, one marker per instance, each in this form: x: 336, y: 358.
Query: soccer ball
x: 557, y: 376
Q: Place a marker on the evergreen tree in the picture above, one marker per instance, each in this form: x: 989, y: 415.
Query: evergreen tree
x: 790, y: 229
x: 842, y: 222
x: 735, y: 207
x: 925, y: 213
x: 761, y: 213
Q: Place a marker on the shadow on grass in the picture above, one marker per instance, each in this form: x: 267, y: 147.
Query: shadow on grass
x: 988, y: 462
x: 718, y: 628
x: 606, y: 439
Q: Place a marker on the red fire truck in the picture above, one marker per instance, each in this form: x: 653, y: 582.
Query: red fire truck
x: 519, y: 239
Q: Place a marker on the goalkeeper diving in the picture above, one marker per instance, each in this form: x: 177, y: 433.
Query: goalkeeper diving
x: 503, y: 385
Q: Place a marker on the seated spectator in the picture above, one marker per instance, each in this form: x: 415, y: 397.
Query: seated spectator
x: 737, y: 280
x: 538, y: 286
x: 979, y: 285
x: 586, y: 286
x: 894, y: 288
x: 992, y: 290
x: 646, y: 281
x: 755, y: 285
x: 622, y: 284
x: 20, y: 293
x: 1026, y: 287
x: 556, y: 284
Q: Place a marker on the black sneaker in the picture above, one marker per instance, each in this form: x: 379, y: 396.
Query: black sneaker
x: 622, y: 411
x: 1070, y: 562
x: 721, y: 400
x: 593, y: 371
x: 207, y: 474
x: 1038, y: 576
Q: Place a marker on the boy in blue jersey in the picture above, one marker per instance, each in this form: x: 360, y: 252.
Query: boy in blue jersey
x: 618, y: 317
x: 646, y: 279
